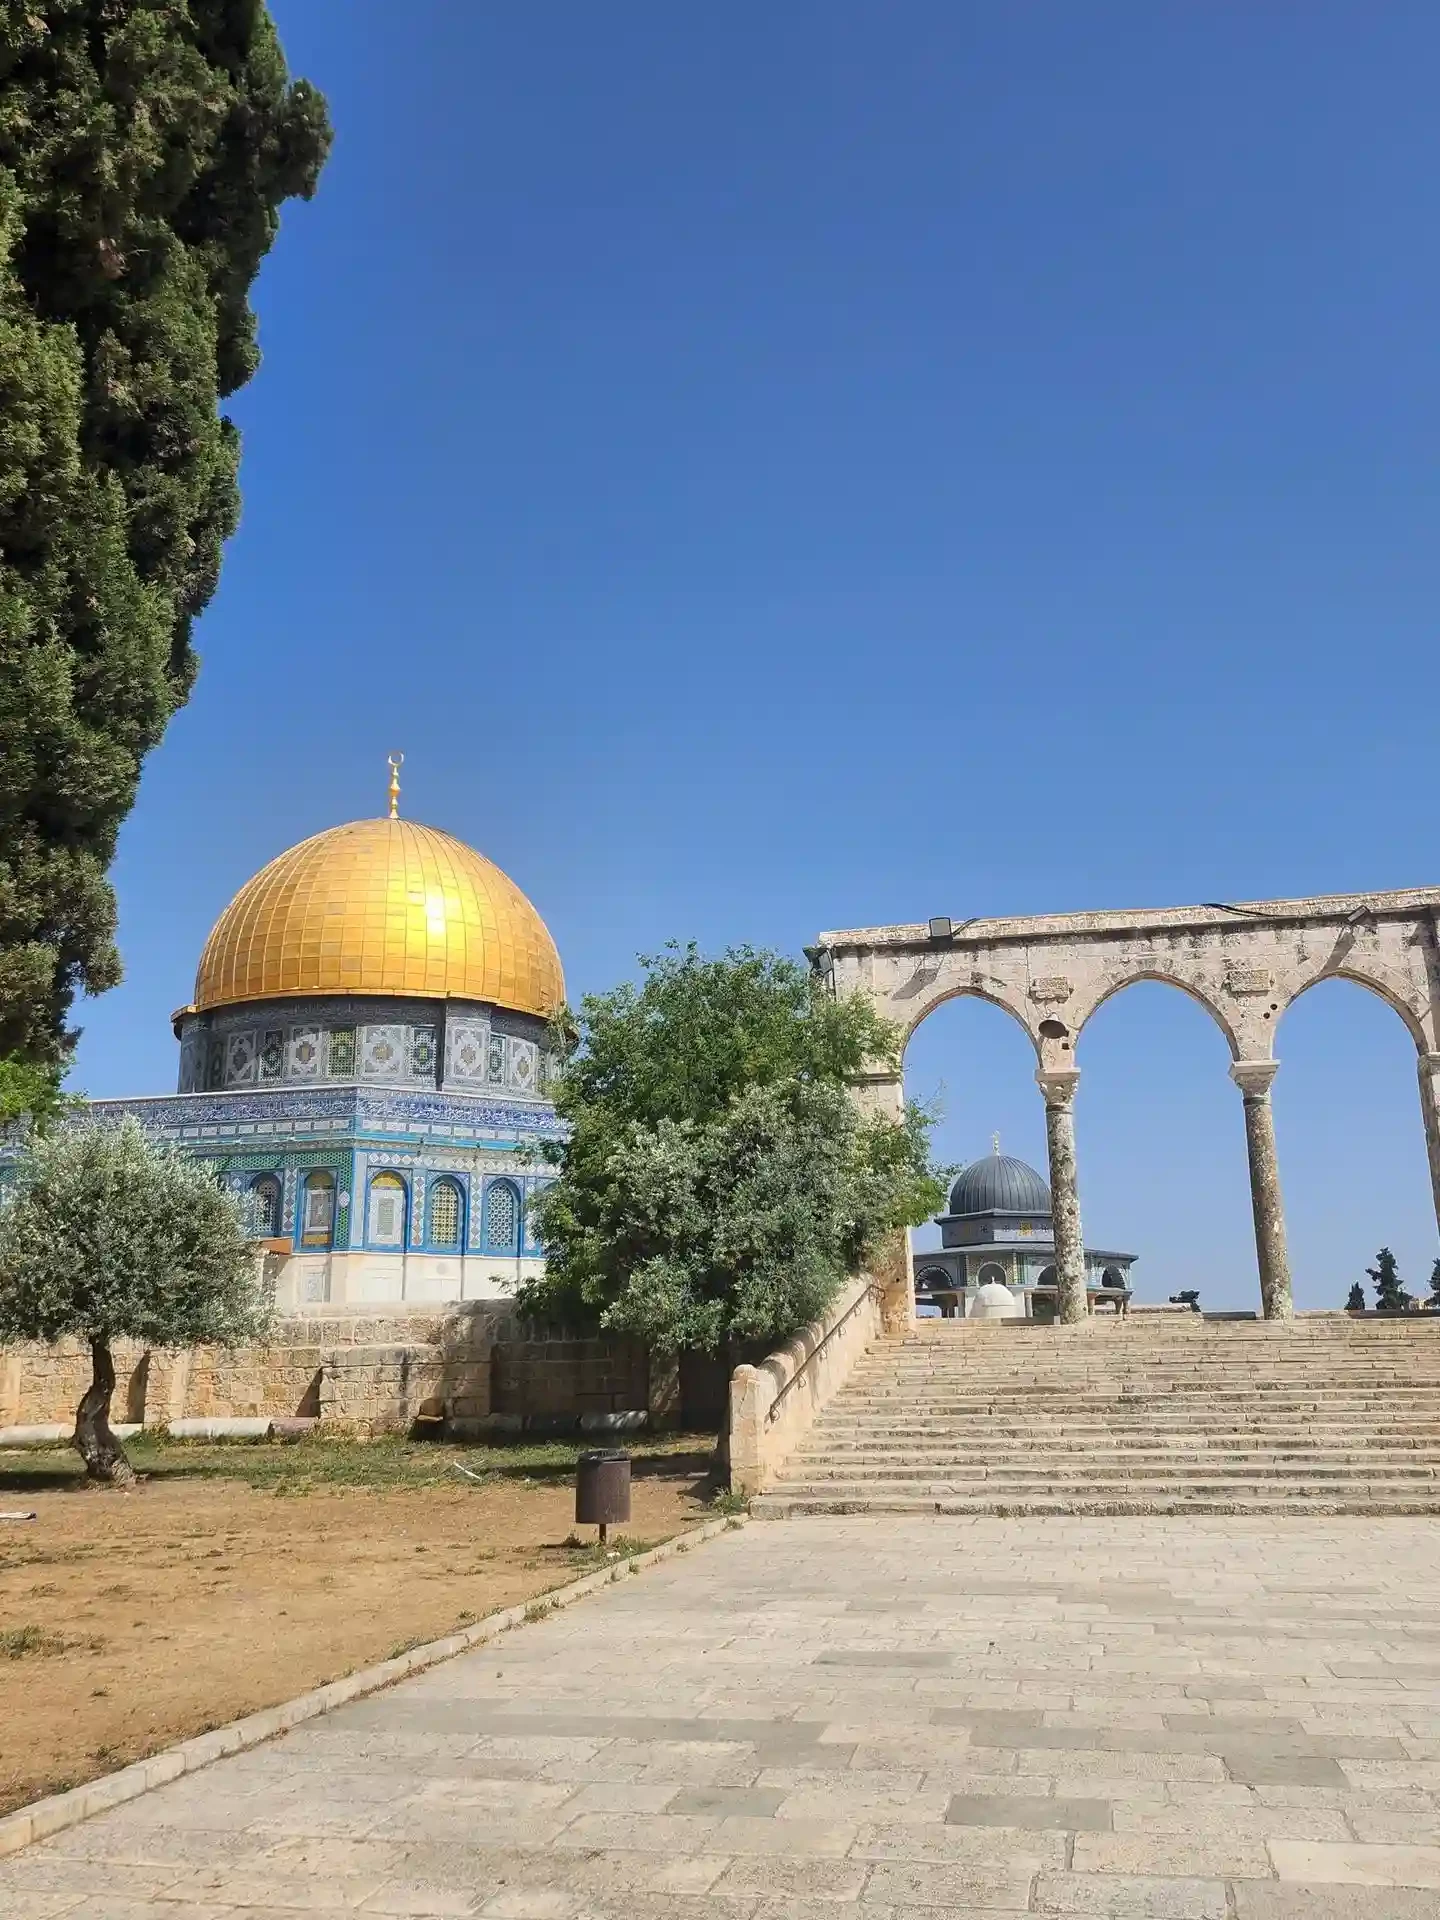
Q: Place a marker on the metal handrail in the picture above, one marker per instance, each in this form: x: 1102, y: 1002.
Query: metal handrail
x: 872, y: 1292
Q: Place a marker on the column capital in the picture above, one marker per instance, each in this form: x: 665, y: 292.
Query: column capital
x: 1253, y: 1077
x: 1429, y: 1063
x: 1058, y: 1085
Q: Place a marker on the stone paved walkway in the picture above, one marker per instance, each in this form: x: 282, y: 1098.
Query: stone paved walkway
x: 860, y: 1719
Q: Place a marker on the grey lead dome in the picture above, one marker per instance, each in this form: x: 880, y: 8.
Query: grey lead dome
x: 998, y: 1184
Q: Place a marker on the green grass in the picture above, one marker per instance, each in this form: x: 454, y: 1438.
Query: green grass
x: 390, y: 1462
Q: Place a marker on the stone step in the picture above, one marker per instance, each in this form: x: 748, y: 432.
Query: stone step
x: 1184, y: 1417
x: 1263, y: 1378
x: 863, y: 1460
x: 1340, y: 1449
x: 1190, y: 1473
x: 779, y: 1505
x: 1035, y: 1483
x: 861, y: 1433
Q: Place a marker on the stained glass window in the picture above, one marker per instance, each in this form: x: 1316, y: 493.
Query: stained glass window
x: 387, y: 1210
x: 502, y: 1216
x: 445, y: 1214
x: 319, y: 1215
x: 262, y: 1208
x: 342, y: 1054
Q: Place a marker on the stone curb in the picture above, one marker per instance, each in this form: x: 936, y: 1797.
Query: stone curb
x: 61, y: 1810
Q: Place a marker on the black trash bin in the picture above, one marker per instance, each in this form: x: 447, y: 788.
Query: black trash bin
x: 602, y: 1488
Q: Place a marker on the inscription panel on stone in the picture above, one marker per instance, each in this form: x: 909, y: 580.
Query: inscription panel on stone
x: 1050, y: 988
x: 1246, y: 980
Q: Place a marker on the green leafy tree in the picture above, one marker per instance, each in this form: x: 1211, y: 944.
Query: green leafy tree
x: 1434, y: 1301
x: 31, y: 1093
x: 145, y: 149
x: 1384, y: 1276
x: 718, y: 1184
x: 107, y: 1235
x: 1355, y: 1299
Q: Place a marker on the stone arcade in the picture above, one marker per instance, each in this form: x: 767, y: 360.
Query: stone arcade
x: 1244, y: 963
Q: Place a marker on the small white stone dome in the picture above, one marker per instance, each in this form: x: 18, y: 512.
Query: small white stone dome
x: 994, y: 1302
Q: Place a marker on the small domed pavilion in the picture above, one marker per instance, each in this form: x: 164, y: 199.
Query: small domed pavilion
x: 997, y: 1231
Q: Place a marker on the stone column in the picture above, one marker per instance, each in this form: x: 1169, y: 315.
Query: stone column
x: 881, y: 1090
x: 1059, y: 1090
x: 1253, y: 1077
x: 1429, y: 1065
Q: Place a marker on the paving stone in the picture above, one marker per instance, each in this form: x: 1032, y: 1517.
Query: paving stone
x: 1018, y: 1810
x: 759, y: 1801
x: 1130, y: 1897
x: 1223, y: 1856
x: 814, y: 1879
x: 1360, y: 1865
x: 1265, y: 1900
x: 1264, y: 1767
x: 623, y: 1875
x: 874, y: 1657
x: 425, y: 1897
x: 907, y: 1884
x: 1031, y: 1849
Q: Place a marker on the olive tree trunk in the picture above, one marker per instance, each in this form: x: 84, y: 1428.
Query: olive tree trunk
x: 104, y: 1457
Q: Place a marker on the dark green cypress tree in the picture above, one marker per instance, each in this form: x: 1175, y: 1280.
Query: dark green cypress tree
x: 1384, y: 1276
x: 1355, y: 1300
x: 1434, y: 1300
x: 145, y: 149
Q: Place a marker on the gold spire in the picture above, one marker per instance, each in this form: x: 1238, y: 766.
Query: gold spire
x: 397, y: 760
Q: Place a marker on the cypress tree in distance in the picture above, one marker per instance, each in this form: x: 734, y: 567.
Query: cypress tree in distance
x: 1384, y: 1276
x: 145, y: 149
x: 1355, y: 1300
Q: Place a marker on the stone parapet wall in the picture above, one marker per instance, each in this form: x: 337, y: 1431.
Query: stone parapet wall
x: 774, y: 1405
x: 368, y: 1371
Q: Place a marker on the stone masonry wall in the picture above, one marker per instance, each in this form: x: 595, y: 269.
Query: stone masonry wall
x: 367, y: 1371
x: 554, y: 1372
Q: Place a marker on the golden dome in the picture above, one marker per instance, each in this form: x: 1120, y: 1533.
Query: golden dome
x: 381, y: 906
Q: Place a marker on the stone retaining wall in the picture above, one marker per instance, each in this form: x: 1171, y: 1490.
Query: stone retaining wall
x: 372, y: 1372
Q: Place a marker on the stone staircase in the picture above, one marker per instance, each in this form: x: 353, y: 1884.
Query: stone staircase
x: 1157, y: 1413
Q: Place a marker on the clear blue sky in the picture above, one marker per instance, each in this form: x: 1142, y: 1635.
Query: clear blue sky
x: 784, y: 468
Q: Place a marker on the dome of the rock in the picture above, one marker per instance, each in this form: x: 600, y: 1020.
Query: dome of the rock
x: 381, y: 907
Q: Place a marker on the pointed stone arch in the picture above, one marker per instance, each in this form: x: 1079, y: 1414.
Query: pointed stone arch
x: 1194, y: 987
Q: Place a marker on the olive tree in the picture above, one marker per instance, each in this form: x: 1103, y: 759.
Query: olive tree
x: 107, y: 1235
x: 717, y: 1183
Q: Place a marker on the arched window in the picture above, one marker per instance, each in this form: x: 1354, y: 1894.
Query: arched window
x: 318, y: 1219
x: 502, y: 1217
x: 934, y: 1279
x: 1112, y: 1277
x: 262, y: 1208
x: 387, y: 1211
x: 446, y: 1215
x: 992, y: 1274
x: 1047, y: 1277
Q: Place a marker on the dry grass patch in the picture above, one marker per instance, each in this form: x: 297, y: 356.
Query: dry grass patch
x: 237, y: 1576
